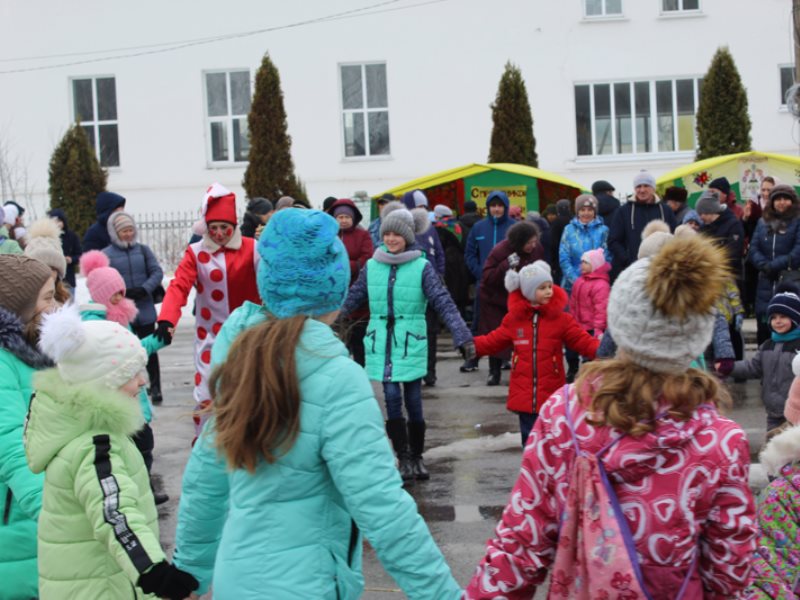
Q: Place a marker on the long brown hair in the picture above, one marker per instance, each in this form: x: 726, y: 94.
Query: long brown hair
x: 257, y: 395
x: 625, y: 396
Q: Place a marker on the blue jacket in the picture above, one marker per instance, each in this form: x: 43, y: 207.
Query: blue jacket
x: 485, y: 235
x: 375, y: 233
x: 775, y: 246
x: 96, y: 237
x: 139, y: 268
x: 577, y: 239
x: 625, y: 230
x: 428, y: 241
x: 293, y: 528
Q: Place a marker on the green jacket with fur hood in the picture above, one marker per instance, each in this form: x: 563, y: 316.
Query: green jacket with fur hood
x: 98, y: 527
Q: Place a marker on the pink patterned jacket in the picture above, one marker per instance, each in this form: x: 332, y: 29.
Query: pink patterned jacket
x: 683, y: 487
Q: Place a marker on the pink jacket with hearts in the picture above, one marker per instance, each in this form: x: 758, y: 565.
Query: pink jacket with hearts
x: 683, y: 487
x: 589, y: 299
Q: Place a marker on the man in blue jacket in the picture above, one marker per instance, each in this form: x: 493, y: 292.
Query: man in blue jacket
x: 625, y: 230
x: 484, y: 236
x: 97, y: 237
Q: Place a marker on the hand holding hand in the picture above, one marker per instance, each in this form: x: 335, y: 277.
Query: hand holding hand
x: 468, y: 350
x: 168, y: 581
x: 513, y: 260
x: 164, y: 331
x: 136, y: 293
x: 724, y: 366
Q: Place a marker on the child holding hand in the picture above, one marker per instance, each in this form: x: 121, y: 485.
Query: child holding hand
x: 589, y: 299
x: 537, y: 328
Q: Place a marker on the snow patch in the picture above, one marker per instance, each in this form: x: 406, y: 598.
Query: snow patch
x: 491, y: 443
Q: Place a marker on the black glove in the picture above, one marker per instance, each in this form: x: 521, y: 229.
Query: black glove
x: 468, y: 350
x: 136, y: 293
x: 168, y: 581
x: 162, y: 333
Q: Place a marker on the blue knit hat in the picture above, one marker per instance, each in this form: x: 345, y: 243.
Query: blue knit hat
x: 787, y: 304
x: 304, y: 268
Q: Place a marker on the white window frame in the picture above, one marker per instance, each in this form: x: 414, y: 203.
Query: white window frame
x: 680, y: 11
x: 343, y: 111
x: 605, y: 15
x: 780, y: 82
x: 96, y: 122
x: 655, y: 152
x: 227, y: 119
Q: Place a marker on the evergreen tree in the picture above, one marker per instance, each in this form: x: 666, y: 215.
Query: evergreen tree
x: 723, y: 124
x: 270, y: 171
x: 512, y: 130
x: 76, y: 178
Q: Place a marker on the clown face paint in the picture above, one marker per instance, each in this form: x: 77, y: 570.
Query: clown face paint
x: 220, y: 232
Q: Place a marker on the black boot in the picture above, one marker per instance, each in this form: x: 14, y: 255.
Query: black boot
x: 416, y: 440
x: 573, y: 364
x: 495, y: 365
x: 396, y: 430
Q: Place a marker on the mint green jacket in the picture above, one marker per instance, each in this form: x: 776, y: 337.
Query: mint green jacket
x: 292, y: 530
x: 98, y: 527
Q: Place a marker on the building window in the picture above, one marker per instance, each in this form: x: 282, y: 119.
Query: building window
x: 674, y: 6
x: 636, y: 117
x: 787, y: 81
x: 365, y: 110
x: 94, y: 104
x: 602, y: 8
x: 227, y: 107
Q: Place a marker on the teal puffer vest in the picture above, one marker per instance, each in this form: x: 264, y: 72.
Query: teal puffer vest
x: 396, y: 344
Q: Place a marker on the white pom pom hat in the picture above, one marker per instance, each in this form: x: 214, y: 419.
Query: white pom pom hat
x: 91, y: 352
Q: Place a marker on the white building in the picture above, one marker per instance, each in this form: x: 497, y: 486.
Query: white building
x: 377, y: 92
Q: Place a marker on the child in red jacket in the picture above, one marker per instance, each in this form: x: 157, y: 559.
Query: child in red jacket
x: 537, y: 328
x: 589, y: 299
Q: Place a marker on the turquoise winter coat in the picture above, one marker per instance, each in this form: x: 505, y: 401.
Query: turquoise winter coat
x: 292, y: 530
x: 577, y: 239
x: 20, y: 489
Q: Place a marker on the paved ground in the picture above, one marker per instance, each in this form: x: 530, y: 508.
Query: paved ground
x: 473, y: 457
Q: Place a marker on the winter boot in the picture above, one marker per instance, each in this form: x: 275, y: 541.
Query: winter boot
x: 495, y: 365
x: 470, y: 365
x: 416, y: 440
x: 396, y: 430
x: 573, y: 365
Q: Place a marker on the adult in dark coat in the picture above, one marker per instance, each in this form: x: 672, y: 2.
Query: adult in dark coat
x: 456, y: 274
x: 563, y: 218
x: 70, y: 244
x: 358, y: 244
x: 676, y: 198
x: 96, y: 237
x: 625, y: 231
x: 544, y: 232
x: 775, y: 247
x: 256, y: 215
x: 142, y: 274
x: 468, y: 220
x: 607, y: 205
x: 521, y: 247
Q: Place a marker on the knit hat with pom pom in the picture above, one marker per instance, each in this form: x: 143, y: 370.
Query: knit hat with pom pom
x: 93, y: 352
x: 44, y: 244
x: 596, y: 258
x: 529, y: 278
x: 398, y: 219
x: 660, y: 311
x: 102, y: 280
x: 304, y: 267
x: 654, y: 235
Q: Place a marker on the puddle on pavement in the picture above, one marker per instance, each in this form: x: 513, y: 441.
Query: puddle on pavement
x: 460, y: 513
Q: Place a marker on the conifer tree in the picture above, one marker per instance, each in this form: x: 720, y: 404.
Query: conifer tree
x: 512, y: 130
x: 76, y: 178
x: 270, y: 171
x: 723, y: 124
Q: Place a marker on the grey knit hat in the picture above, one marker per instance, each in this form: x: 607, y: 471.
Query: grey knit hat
x: 395, y: 217
x: 529, y: 278
x: 22, y: 279
x: 44, y: 244
x: 661, y: 308
x: 644, y: 178
x: 709, y: 204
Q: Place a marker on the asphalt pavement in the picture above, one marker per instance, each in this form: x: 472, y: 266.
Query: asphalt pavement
x: 473, y: 454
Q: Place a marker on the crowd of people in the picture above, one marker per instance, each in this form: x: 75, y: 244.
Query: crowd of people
x: 618, y: 322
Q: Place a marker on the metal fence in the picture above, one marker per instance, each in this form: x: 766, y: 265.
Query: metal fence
x: 167, y: 234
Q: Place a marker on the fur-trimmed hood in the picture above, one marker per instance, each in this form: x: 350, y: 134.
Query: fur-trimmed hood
x: 61, y: 412
x: 783, y: 449
x: 112, y: 230
x: 12, y: 339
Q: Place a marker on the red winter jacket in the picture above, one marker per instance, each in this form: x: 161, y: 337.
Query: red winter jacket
x: 537, y: 334
x: 589, y: 299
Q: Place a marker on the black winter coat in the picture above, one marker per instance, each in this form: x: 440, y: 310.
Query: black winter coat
x: 607, y: 207
x: 774, y: 247
x: 625, y: 231
x: 97, y: 237
x: 70, y: 245
x: 728, y: 232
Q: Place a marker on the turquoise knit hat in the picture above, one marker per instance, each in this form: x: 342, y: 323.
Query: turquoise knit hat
x: 304, y: 267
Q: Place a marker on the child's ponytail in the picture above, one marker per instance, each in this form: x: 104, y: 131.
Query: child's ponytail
x: 256, y: 394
